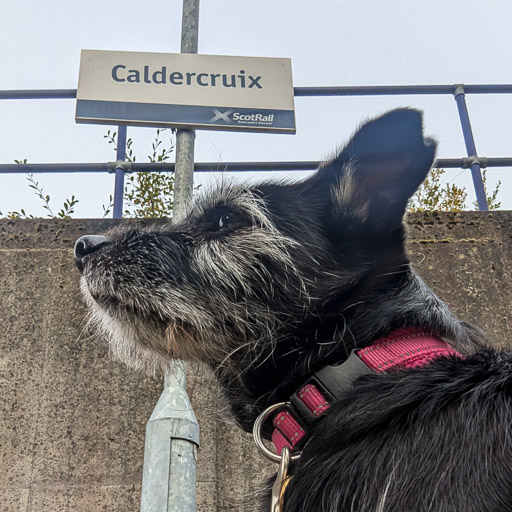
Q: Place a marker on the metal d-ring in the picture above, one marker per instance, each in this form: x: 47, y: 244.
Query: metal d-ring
x: 256, y: 432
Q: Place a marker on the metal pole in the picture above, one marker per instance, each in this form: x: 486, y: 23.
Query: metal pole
x: 469, y: 140
x: 119, y: 183
x: 172, y: 437
x: 172, y: 432
x: 184, y: 174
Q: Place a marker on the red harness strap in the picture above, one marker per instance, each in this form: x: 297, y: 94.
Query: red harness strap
x: 403, y: 348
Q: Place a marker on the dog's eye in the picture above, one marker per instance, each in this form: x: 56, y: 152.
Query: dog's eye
x: 225, y: 220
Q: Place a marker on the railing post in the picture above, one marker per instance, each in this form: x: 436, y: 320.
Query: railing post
x: 476, y: 173
x: 119, y: 180
x: 172, y: 432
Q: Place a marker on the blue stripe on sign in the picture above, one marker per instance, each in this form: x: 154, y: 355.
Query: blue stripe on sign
x: 214, y: 117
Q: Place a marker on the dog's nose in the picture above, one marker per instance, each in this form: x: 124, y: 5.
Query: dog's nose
x: 86, y: 245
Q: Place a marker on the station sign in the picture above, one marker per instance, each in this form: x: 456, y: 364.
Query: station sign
x: 186, y: 91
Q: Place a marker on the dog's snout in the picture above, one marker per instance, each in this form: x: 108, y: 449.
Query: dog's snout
x: 86, y: 245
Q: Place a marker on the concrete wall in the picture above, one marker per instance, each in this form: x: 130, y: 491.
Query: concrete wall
x: 72, y: 420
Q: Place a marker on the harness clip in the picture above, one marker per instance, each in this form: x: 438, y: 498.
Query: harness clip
x: 282, y: 480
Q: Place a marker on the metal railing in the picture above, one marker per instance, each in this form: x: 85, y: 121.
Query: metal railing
x: 473, y: 161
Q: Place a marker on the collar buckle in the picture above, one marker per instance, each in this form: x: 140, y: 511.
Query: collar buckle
x: 332, y: 382
x: 339, y: 379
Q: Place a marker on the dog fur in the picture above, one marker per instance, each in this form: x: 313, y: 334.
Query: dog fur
x: 269, y: 283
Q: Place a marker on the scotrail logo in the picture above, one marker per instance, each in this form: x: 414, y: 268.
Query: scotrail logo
x: 224, y: 116
x: 232, y: 117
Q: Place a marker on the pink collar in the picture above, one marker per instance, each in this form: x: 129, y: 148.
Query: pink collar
x: 403, y: 348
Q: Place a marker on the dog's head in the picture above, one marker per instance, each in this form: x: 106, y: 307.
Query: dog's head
x: 266, y: 283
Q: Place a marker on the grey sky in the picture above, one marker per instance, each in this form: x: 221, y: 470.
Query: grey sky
x: 358, y: 42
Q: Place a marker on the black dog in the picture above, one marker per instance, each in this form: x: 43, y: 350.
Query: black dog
x: 271, y: 285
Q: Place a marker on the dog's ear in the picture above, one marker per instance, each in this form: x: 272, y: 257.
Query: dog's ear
x: 380, y: 168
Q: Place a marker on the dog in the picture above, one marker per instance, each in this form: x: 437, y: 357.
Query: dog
x: 295, y: 289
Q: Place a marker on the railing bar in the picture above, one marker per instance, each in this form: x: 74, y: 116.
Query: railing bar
x: 447, y: 163
x: 38, y: 94
x: 371, y: 90
x: 390, y: 90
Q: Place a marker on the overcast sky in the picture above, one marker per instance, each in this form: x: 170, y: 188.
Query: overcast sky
x: 356, y: 42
